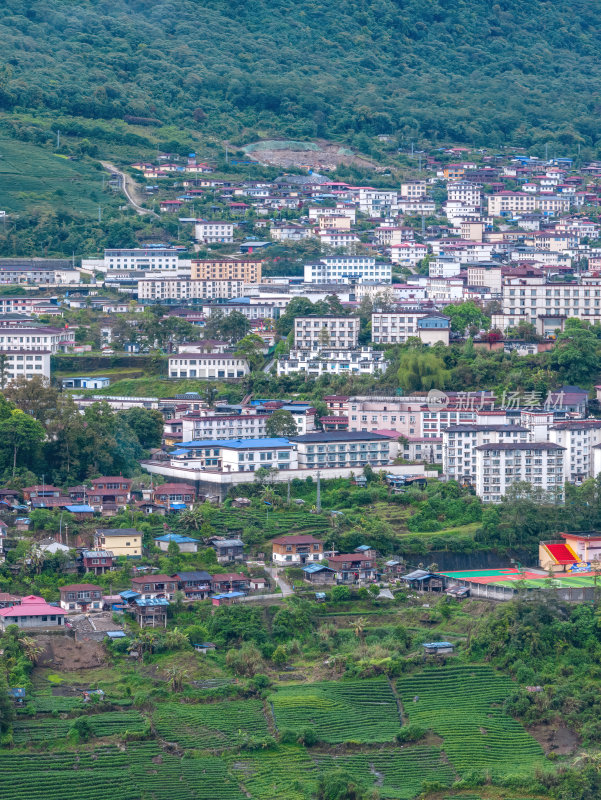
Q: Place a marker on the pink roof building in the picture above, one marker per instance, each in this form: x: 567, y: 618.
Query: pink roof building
x: 34, y: 613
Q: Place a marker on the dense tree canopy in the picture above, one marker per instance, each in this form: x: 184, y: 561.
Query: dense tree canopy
x: 475, y: 72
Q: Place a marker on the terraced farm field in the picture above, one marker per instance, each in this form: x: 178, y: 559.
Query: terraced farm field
x: 338, y: 711
x: 283, y: 774
x: 398, y: 773
x: 459, y: 703
x: 113, y: 723
x: 140, y: 771
x: 215, y: 725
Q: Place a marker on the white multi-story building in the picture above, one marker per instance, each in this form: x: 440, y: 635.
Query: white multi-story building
x: 341, y: 210
x: 505, y: 203
x: 29, y: 364
x: 343, y: 269
x: 547, y: 305
x: 161, y: 288
x: 414, y: 189
x: 337, y: 238
x: 53, y: 340
x: 397, y: 327
x: 579, y: 438
x: 464, y: 192
x: 38, y: 271
x: 328, y: 361
x: 207, y: 367
x: 421, y: 205
x: 384, y: 413
x: 342, y: 449
x: 144, y: 259
x: 214, y: 231
x: 500, y: 465
x: 326, y: 331
x: 489, y: 276
x: 407, y: 254
x: 444, y: 267
x: 236, y: 455
x: 459, y: 444
x: 377, y: 202
x: 224, y: 426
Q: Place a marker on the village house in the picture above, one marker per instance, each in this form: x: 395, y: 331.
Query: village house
x: 319, y: 573
x: 296, y: 549
x: 98, y: 561
x: 81, y: 597
x: 32, y: 614
x: 353, y: 567
x: 110, y: 494
x: 155, y: 586
x: 228, y: 550
x: 185, y: 544
x: 230, y: 582
x: 120, y: 541
x: 195, y: 585
x: 150, y: 613
x: 174, y: 496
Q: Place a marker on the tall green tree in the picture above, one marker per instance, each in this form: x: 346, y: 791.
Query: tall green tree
x: 421, y: 371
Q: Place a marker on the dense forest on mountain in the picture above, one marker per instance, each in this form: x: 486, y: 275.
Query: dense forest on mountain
x: 435, y: 70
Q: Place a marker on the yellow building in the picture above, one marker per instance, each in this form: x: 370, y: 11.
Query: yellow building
x: 226, y: 270
x: 120, y: 541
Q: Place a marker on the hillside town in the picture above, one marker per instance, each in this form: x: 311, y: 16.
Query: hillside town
x: 322, y: 441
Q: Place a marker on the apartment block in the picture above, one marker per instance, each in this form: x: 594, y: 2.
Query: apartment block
x: 169, y: 291
x: 326, y: 331
x: 500, y: 465
x: 214, y: 232
x: 579, y: 438
x: 224, y: 426
x: 207, y: 367
x: 397, y: 327
x: 459, y: 444
x: 343, y: 269
x: 342, y: 449
x: 326, y: 361
x: 247, y: 271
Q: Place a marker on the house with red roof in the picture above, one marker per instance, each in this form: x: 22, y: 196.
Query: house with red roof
x: 297, y: 549
x: 81, y: 597
x: 33, y: 614
x: 353, y: 567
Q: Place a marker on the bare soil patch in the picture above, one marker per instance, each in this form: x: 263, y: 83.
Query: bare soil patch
x: 555, y: 738
x: 62, y: 653
x: 318, y: 155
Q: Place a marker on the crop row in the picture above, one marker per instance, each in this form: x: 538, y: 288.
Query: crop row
x: 365, y: 711
x: 213, y: 725
x: 287, y: 773
x: 399, y: 772
x: 112, y: 723
x: 459, y: 704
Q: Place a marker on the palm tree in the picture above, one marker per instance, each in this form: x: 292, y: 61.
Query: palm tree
x: 359, y: 627
x: 31, y: 649
x: 177, y: 677
x: 175, y: 639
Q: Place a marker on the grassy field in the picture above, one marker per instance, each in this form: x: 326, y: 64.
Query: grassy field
x: 33, y: 177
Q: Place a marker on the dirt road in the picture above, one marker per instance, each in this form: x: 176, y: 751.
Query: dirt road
x: 130, y: 188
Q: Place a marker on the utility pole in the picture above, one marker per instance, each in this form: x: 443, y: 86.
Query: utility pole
x: 226, y: 155
x: 318, y: 502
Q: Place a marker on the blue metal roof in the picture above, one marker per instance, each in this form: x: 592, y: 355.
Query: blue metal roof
x: 81, y: 509
x: 151, y: 601
x: 174, y: 537
x: 129, y: 594
x: 310, y: 569
x: 178, y: 506
x: 437, y: 644
x: 227, y: 595
x: 116, y: 634
x: 235, y: 443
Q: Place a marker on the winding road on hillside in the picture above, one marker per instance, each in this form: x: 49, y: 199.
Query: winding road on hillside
x: 130, y: 188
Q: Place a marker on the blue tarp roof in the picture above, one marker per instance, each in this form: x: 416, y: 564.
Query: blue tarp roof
x: 129, y: 594
x: 17, y: 692
x: 82, y: 509
x: 177, y: 506
x: 116, y: 634
x: 227, y: 595
x: 151, y: 601
x: 174, y: 537
x: 437, y: 644
x: 312, y: 568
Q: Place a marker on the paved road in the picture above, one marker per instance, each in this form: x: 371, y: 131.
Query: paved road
x: 128, y: 185
x: 273, y: 572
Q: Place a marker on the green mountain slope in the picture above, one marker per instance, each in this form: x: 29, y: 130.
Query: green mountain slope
x: 446, y: 70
